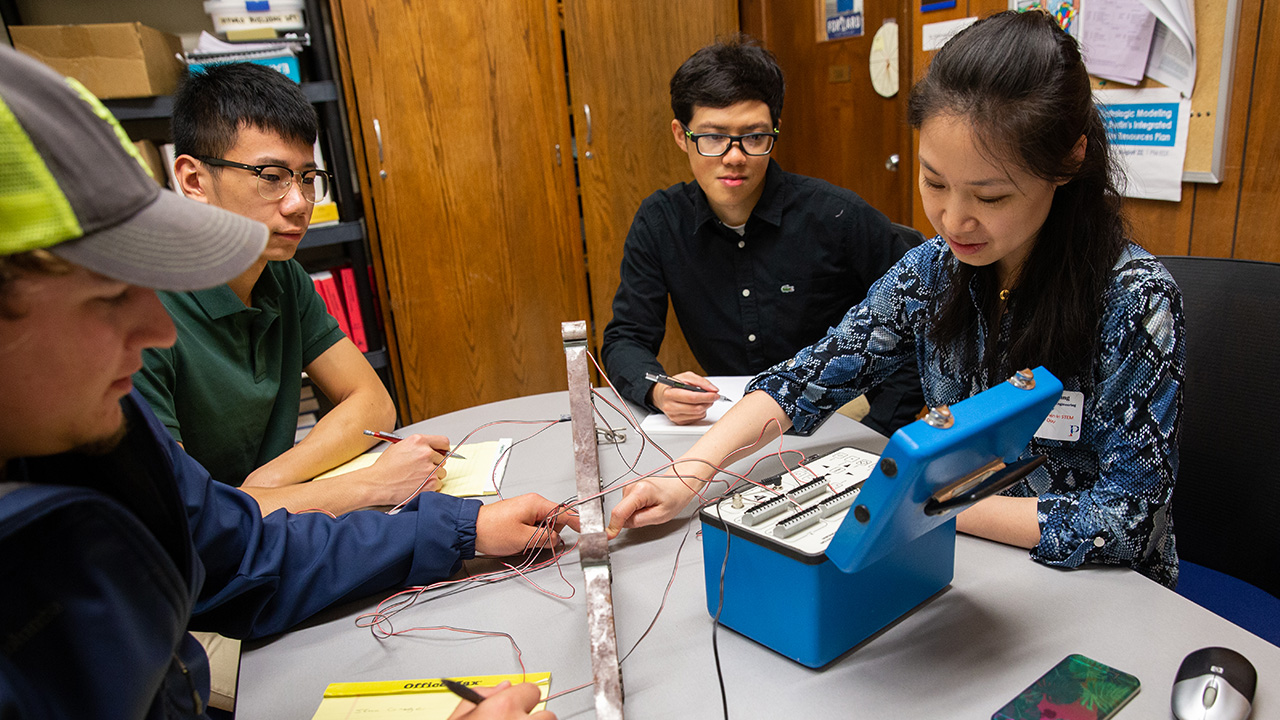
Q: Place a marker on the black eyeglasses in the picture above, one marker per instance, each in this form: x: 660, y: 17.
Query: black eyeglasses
x: 718, y: 144
x: 274, y: 180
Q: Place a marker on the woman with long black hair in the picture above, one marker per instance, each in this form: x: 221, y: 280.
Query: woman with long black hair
x: 1031, y: 266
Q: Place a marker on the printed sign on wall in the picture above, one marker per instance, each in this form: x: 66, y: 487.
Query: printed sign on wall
x: 841, y: 19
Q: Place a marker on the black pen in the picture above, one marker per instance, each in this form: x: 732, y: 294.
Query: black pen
x: 672, y: 382
x: 462, y: 691
x: 394, y: 438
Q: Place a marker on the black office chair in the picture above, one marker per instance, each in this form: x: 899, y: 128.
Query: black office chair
x: 911, y: 236
x: 1226, y: 503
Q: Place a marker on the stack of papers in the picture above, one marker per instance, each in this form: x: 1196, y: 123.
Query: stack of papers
x: 479, y: 474
x: 281, y: 56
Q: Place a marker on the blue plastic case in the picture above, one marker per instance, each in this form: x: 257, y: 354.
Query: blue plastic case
x: 894, y: 547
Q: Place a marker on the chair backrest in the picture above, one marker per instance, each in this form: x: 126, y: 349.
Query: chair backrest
x: 1226, y: 504
x: 911, y: 236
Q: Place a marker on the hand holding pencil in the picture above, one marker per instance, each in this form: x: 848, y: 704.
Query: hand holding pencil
x: 394, y: 438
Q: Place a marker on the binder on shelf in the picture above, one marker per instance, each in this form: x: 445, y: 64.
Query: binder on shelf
x: 373, y: 297
x: 324, y: 212
x: 355, y: 314
x: 327, y: 287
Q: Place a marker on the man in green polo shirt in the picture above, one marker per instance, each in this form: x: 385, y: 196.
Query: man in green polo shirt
x: 228, y: 389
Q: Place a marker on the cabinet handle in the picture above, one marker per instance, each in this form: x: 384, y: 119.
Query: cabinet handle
x: 377, y: 134
x: 586, y: 110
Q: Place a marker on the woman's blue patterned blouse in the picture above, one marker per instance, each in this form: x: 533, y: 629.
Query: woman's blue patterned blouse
x: 1103, y: 498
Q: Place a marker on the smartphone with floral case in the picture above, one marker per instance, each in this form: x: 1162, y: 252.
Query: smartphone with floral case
x: 1078, y: 688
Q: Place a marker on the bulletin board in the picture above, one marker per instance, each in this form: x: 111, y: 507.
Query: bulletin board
x: 1217, y: 22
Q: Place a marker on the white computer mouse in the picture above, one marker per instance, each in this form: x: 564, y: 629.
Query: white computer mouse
x: 1214, y: 684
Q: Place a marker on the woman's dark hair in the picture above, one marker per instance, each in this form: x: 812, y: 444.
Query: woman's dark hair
x: 727, y: 72
x: 211, y: 107
x: 1019, y: 82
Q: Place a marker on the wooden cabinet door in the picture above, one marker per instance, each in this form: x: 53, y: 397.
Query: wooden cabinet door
x: 621, y: 59
x: 461, y: 109
x: 834, y: 124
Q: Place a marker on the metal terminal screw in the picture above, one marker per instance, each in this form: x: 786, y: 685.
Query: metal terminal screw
x: 737, y: 501
x: 888, y: 467
x: 940, y: 417
x: 1024, y: 379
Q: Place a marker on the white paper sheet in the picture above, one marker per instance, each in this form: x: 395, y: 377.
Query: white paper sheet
x: 935, y: 35
x: 1117, y: 40
x: 1173, y: 46
x: 731, y: 387
x: 1148, y: 132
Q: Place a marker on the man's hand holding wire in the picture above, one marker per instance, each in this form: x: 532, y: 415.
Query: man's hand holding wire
x: 518, y: 524
x: 657, y: 499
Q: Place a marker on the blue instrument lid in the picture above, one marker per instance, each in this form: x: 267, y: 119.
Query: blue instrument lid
x: 923, y: 465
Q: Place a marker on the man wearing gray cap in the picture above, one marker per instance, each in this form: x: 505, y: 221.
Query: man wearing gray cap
x: 112, y: 540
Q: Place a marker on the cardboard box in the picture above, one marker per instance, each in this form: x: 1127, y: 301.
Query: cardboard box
x: 113, y: 60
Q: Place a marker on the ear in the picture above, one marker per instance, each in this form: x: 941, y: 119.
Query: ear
x: 677, y: 131
x: 1077, y: 156
x: 193, y: 179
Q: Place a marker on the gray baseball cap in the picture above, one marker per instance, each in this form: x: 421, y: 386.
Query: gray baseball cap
x: 72, y: 182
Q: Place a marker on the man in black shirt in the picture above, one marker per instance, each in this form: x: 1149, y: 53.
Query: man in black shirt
x: 757, y: 262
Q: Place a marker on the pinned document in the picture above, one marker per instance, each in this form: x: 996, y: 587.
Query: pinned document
x: 1147, y: 128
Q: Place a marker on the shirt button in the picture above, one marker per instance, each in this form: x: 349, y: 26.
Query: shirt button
x: 746, y: 293
x: 751, y: 338
x: 1099, y: 542
x: 742, y: 243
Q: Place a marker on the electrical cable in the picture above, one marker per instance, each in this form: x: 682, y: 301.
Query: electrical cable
x: 715, y: 622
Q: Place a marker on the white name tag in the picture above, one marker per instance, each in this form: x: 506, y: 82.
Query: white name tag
x: 1065, y: 420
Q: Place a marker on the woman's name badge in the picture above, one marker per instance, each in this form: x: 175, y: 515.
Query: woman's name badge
x: 1066, y: 418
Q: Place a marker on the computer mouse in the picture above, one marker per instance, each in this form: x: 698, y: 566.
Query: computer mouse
x: 1214, y: 683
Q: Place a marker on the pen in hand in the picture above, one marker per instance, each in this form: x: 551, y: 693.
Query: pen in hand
x: 672, y: 382
x: 462, y: 691
x: 394, y: 438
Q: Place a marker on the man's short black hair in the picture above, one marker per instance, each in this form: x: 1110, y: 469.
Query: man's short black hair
x: 727, y: 72
x: 211, y: 106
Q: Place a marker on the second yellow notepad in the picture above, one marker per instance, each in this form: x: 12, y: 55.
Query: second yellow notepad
x: 418, y: 699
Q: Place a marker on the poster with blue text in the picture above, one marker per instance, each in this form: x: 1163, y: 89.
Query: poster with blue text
x: 1147, y: 129
x: 841, y: 19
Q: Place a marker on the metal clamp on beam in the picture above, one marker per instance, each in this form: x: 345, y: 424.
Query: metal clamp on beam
x: 610, y: 436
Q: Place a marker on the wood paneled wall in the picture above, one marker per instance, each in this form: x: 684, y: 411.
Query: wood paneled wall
x: 1230, y: 219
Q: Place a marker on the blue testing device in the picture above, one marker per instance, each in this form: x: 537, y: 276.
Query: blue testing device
x: 824, y: 556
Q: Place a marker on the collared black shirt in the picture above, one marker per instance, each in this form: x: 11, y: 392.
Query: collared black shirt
x: 809, y: 252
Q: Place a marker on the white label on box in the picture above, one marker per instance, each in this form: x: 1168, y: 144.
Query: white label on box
x: 1065, y: 419
x: 284, y: 20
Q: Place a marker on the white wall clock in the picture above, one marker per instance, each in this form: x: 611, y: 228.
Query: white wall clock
x: 884, y: 60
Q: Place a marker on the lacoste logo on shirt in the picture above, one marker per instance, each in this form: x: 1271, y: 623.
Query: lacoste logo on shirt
x: 788, y: 288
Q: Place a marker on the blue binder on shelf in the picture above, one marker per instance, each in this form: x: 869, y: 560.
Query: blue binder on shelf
x: 832, y: 553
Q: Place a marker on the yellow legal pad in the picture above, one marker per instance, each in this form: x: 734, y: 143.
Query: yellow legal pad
x: 475, y: 476
x: 418, y: 699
